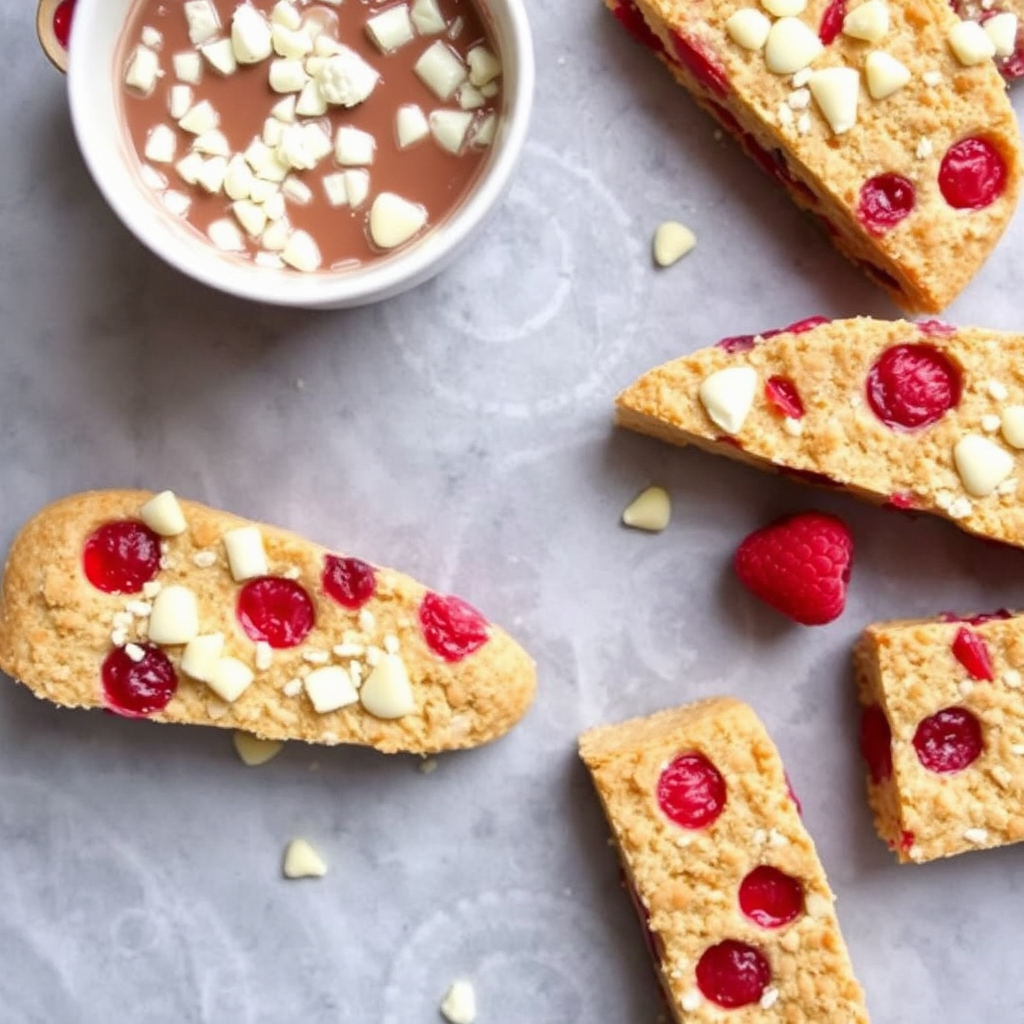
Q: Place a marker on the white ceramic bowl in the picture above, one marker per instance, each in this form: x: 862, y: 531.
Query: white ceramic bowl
x: 94, y: 82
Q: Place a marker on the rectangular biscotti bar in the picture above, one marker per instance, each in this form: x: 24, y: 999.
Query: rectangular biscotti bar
x: 738, y: 908
x: 943, y: 732
x: 920, y: 416
x: 886, y: 119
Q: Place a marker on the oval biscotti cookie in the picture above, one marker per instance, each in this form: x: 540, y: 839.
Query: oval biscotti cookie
x: 165, y: 609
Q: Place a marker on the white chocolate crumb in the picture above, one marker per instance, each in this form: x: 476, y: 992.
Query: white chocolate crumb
x: 990, y: 423
x: 1012, y: 678
x: 769, y: 998
x: 978, y: 836
x: 997, y: 391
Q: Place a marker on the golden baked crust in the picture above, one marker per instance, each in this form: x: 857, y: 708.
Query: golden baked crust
x: 55, y: 632
x: 687, y: 879
x: 908, y: 671
x: 925, y: 259
x: 841, y: 442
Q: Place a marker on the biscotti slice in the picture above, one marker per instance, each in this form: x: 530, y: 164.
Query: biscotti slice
x: 943, y: 732
x: 918, y: 415
x: 165, y: 609
x: 887, y: 119
x: 738, y: 909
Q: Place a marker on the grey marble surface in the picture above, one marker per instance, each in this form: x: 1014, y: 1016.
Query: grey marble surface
x: 462, y: 433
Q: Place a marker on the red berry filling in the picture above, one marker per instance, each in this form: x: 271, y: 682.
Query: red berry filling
x: 691, y: 791
x: 452, y: 628
x: 695, y: 56
x: 630, y: 18
x: 738, y: 343
x: 906, y: 841
x: 349, y: 581
x: 948, y: 741
x: 977, y: 620
x: 745, y: 342
x: 276, y: 611
x: 972, y: 174
x: 792, y: 794
x: 912, y: 386
x: 733, y: 974
x: 933, y: 327
x: 807, y: 324
x: 62, y: 22
x: 884, y: 201
x: 781, y: 393
x: 970, y: 650
x: 137, y: 688
x: 902, y: 500
x: 120, y: 556
x: 771, y: 898
x: 832, y: 21
x: 876, y: 743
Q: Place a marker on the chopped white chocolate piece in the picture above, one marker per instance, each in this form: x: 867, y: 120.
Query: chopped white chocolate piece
x: 836, y: 91
x: 885, y: 74
x: 449, y: 128
x: 247, y: 558
x: 202, y: 20
x: 225, y: 235
x: 484, y: 66
x: 151, y: 37
x: 293, y: 150
x: 161, y: 143
x: 201, y: 654
x: 143, y: 69
x: 970, y: 43
x: 269, y: 259
x: 258, y: 154
x: 297, y: 191
x: 163, y: 515
x: 301, y: 252
x: 311, y: 102
x: 273, y: 206
x: 330, y: 688
x: 346, y: 79
x: 221, y: 56
x: 728, y: 395
x: 287, y: 75
x: 274, y: 170
x: 212, y: 143
x: 189, y: 168
x: 387, y: 692
x: 176, y: 203
x: 357, y: 187
x: 1012, y: 423
x: 459, y: 1005
x: 200, y: 118
x: 286, y: 14
x: 410, y: 125
x: 441, y: 70
x: 334, y: 189
x: 869, y: 21
x: 458, y: 23
x: 354, y: 147
x: 791, y: 45
x: 175, y: 616
x: 650, y: 510
x: 250, y: 35
x: 261, y: 190
x: 748, y: 28
x: 982, y: 464
x: 427, y: 17
x: 251, y: 216
x: 394, y: 220
x: 391, y: 28
x: 1002, y: 30
x: 483, y: 131
x: 229, y: 678
x: 188, y: 67
x: 672, y: 241
x: 179, y: 100
x: 254, y: 751
x: 293, y: 44
x: 469, y: 97
x: 784, y: 8
x: 273, y: 132
x: 302, y: 861
x: 284, y: 109
x: 275, y: 238
x: 238, y: 178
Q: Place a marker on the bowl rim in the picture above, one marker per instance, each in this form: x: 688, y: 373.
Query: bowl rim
x: 192, y: 255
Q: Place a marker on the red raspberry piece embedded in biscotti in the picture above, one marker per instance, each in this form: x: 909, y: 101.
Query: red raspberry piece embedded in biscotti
x: 832, y: 21
x: 452, y: 628
x: 972, y: 174
x: 800, y: 565
x: 781, y: 393
x: 876, y: 743
x: 976, y: 620
x: 733, y: 974
x: 350, y: 581
x: 275, y: 610
x: 948, y: 741
x: 691, y: 791
x: 137, y: 688
x: 970, y: 650
x: 701, y: 63
x: 913, y: 386
x: 770, y: 897
x: 121, y: 556
x: 885, y: 200
x: 629, y: 17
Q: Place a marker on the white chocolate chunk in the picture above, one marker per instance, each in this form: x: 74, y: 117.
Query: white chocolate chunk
x: 885, y: 74
x: 225, y: 236
x: 784, y: 8
x: 748, y: 28
x: 143, y: 69
x: 672, y: 241
x: 458, y: 23
x: 261, y: 190
x: 301, y: 252
x: 410, y: 125
x: 346, y: 79
x: 1002, y: 30
x: 273, y: 206
x: 273, y: 132
x: 330, y: 688
x: 287, y: 75
x: 212, y: 143
x: 201, y: 654
x: 297, y: 191
x: 869, y: 21
x: 650, y: 510
x: 836, y: 91
x: 326, y: 46
x: 211, y: 175
x: 469, y: 97
x: 176, y: 203
x: 294, y: 150
x: 252, y: 217
x: 427, y: 17
x: 484, y: 130
x: 982, y: 464
x: 152, y: 37
x: 250, y: 35
x: 221, y: 56
x: 238, y: 178
x: 791, y: 45
x: 275, y: 238
x: 175, y: 616
x: 449, y: 128
x: 970, y: 43
x: 152, y: 178
x: 311, y: 102
x: 229, y: 678
x: 200, y: 118
x: 978, y: 836
x: 257, y: 155
x: 179, y: 100
x: 334, y: 189
x: 188, y: 67
x: 253, y: 751
x: 387, y: 692
x: 1012, y: 423
x: 441, y: 70
x: 728, y: 395
x: 484, y: 66
x: 163, y: 515
x: 284, y: 109
x: 189, y: 168
x: 394, y: 220
x: 354, y: 147
x: 302, y: 861
x: 459, y: 1005
x: 293, y: 44
x: 286, y: 14
x: 161, y: 143
x: 201, y: 18
x: 357, y: 187
x: 246, y: 555
x: 391, y: 28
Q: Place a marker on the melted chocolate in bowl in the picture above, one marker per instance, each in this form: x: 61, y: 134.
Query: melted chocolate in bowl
x: 424, y: 174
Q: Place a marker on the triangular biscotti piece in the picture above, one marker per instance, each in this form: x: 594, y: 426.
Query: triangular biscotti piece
x: 884, y: 118
x: 722, y: 871
x: 164, y: 609
x: 918, y: 415
x: 943, y: 732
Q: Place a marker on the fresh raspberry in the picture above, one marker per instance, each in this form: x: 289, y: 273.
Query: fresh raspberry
x: 799, y: 565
